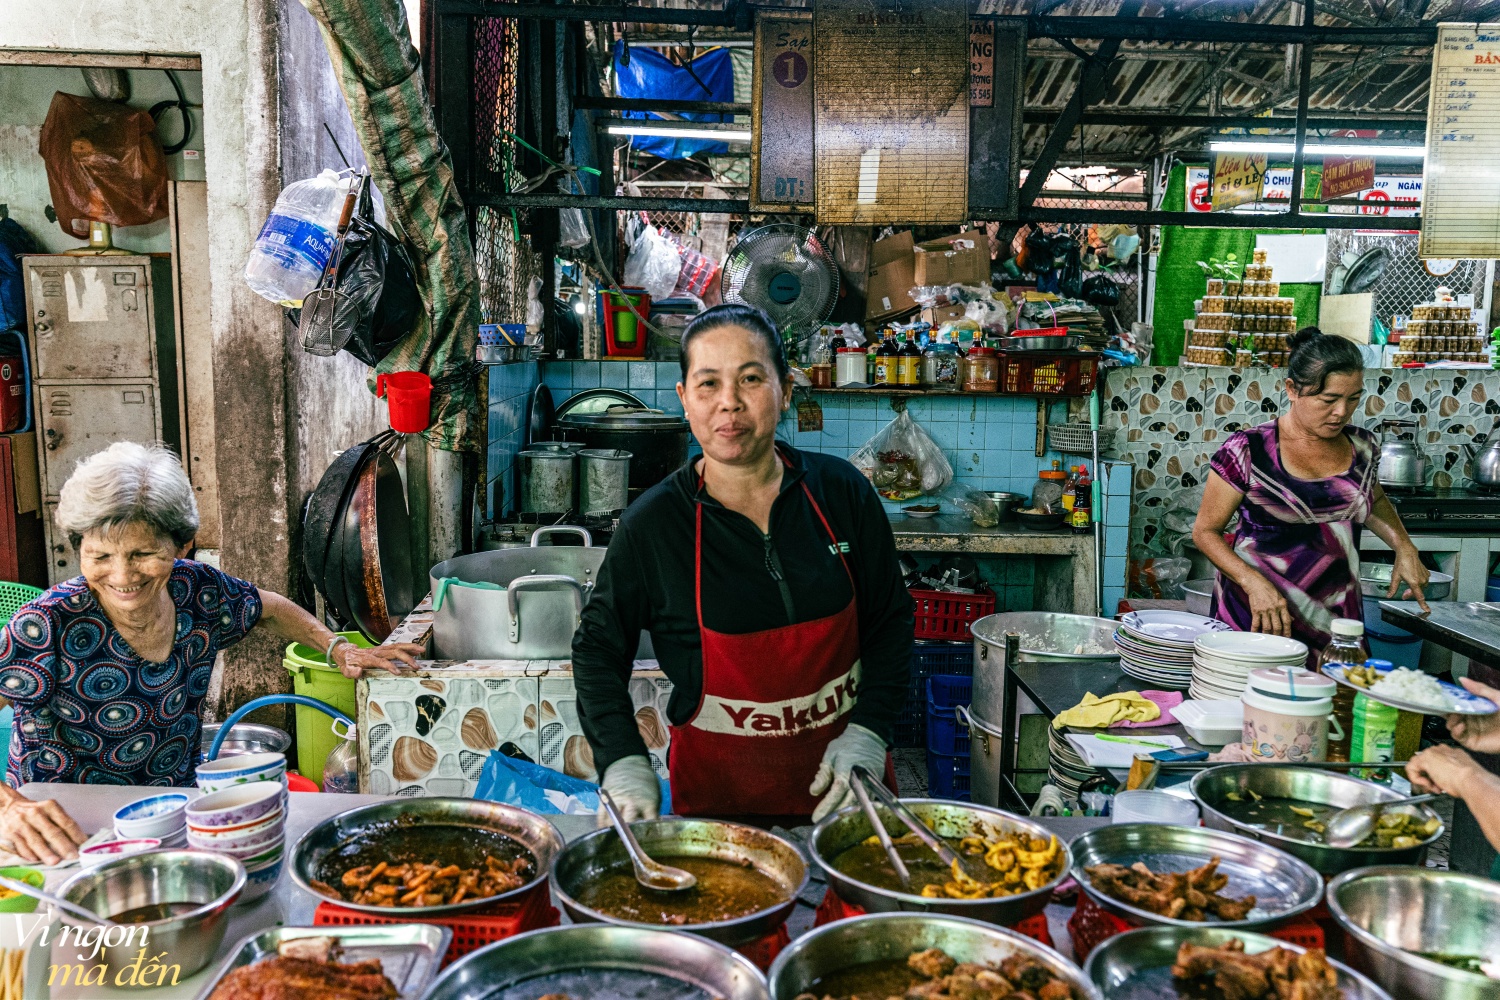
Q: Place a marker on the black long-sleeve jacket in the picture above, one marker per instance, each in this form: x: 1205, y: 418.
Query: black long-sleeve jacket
x: 751, y: 582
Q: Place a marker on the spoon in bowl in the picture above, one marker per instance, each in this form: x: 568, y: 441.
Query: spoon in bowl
x: 651, y: 874
x: 1351, y: 826
x: 71, y: 909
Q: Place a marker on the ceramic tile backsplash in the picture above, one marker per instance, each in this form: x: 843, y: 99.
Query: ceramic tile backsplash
x: 510, y: 398
x: 1169, y: 422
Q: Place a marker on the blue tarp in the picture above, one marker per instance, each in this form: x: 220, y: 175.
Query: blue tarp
x: 541, y: 789
x: 649, y: 74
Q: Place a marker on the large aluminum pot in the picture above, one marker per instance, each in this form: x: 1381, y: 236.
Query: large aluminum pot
x: 1046, y: 637
x: 513, y: 604
x: 984, y: 757
x: 586, y: 858
x: 848, y: 827
x: 881, y: 937
x: 657, y: 442
x: 1390, y: 913
x: 1303, y: 784
x: 589, y: 960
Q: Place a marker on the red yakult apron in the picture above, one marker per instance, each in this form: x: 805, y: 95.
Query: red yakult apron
x: 772, y: 702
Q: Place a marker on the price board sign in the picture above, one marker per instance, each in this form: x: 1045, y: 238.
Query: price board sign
x: 1460, y: 200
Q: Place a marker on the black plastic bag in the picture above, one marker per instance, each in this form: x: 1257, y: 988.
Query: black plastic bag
x: 1099, y: 290
x: 1070, y: 280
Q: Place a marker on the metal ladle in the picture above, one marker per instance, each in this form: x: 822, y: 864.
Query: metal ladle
x: 1352, y: 826
x: 651, y: 874
x: 71, y: 909
x: 860, y: 774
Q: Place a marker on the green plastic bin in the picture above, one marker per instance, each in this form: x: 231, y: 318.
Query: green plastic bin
x: 313, y: 677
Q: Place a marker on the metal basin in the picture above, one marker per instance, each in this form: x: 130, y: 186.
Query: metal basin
x: 844, y: 829
x: 586, y: 858
x: 1282, y: 885
x: 1212, y: 787
x: 1137, y: 965
x: 245, y: 737
x: 535, y: 832
x: 1046, y: 637
x: 580, y: 960
x: 1390, y: 912
x: 1375, y: 580
x: 885, y: 936
x: 189, y: 940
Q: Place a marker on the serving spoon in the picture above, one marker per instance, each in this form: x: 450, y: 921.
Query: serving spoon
x: 1348, y: 827
x: 859, y: 773
x: 71, y: 909
x: 651, y: 874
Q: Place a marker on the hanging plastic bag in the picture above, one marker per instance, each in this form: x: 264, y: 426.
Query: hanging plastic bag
x: 376, y: 271
x: 902, y: 461
x: 573, y: 231
x: 542, y: 790
x: 104, y: 164
x: 1099, y: 290
x: 653, y: 264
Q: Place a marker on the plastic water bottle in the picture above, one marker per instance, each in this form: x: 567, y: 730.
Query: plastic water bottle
x: 341, y: 772
x: 293, y: 246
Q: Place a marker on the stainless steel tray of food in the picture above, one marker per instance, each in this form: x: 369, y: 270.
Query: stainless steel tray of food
x: 849, y: 827
x: 1316, y: 790
x: 432, y: 829
x: 1137, y: 965
x: 884, y: 937
x: 1283, y: 886
x: 670, y: 840
x: 602, y: 962
x: 1398, y: 921
x: 410, y: 955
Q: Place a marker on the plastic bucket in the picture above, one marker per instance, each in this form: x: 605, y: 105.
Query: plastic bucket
x: 409, y: 398
x: 1402, y: 652
x: 1376, y: 627
x: 314, y: 678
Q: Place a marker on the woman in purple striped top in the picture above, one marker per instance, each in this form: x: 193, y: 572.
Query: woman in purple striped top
x: 1303, y: 485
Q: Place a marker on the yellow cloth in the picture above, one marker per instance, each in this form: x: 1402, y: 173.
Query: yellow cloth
x: 1096, y: 713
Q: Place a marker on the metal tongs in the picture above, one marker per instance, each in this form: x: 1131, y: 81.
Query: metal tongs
x: 862, y: 781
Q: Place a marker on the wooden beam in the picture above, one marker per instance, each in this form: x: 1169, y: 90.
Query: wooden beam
x: 107, y: 60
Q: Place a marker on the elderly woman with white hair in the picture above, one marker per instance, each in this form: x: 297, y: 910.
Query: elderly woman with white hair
x: 107, y: 671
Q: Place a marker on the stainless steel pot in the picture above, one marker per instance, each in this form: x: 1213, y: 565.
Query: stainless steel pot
x: 1389, y: 914
x: 1402, y: 464
x: 603, y: 480
x: 520, y: 604
x: 657, y: 442
x: 984, y: 757
x: 547, y: 481
x: 1046, y: 637
x: 589, y: 856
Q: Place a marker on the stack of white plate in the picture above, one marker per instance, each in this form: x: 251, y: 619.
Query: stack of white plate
x: 1156, y: 647
x: 1066, y: 768
x: 1222, y: 661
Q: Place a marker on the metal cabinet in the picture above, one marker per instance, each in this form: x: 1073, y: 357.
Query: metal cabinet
x: 104, y: 367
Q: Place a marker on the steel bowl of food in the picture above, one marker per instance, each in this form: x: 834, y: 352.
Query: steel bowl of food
x: 178, y: 901
x: 1157, y: 963
x: 1045, y: 342
x: 888, y: 954
x: 748, y: 879
x: 1136, y: 870
x: 1288, y: 806
x: 1011, y: 864
x: 1050, y: 635
x: 426, y: 857
x: 1420, y: 932
x: 601, y: 960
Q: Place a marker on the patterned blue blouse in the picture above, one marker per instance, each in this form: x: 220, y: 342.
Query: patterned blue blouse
x: 88, y: 709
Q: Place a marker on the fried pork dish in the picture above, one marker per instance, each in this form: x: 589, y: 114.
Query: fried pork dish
x: 1013, y: 863
x: 934, y: 975
x: 431, y: 884
x: 1192, y: 895
x: 306, y: 969
x: 1276, y: 974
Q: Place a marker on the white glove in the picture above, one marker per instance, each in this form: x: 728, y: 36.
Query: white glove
x: 631, y: 782
x: 856, y: 745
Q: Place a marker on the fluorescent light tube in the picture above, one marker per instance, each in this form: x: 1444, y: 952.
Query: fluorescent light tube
x: 1318, y: 148
x: 722, y: 135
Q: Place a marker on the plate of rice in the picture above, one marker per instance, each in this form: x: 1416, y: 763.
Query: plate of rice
x: 1414, y: 691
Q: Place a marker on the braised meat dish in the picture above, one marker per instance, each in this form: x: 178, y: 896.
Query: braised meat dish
x: 429, y: 884
x: 1191, y: 895
x: 1275, y: 974
x: 935, y: 975
x: 306, y: 969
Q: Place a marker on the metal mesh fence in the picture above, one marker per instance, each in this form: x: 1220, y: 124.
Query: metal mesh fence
x: 1405, y: 282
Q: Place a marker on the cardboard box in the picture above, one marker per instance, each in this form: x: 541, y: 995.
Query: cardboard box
x: 938, y: 315
x: 24, y: 468
x: 961, y: 259
x: 891, y: 278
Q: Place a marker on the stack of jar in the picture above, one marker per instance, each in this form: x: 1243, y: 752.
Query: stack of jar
x: 1243, y: 322
x: 1441, y: 331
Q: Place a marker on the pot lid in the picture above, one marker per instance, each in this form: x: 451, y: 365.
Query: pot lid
x: 626, y: 418
x: 596, y: 401
x: 1302, y: 685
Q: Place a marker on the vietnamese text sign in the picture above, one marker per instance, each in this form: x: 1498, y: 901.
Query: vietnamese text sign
x: 1346, y: 175
x: 781, y: 162
x: 1460, y: 212
x: 981, y: 63
x: 1237, y: 179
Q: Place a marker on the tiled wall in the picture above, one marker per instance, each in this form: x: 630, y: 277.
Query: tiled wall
x: 510, y: 400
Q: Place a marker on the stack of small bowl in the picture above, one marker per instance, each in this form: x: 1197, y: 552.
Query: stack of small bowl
x: 243, y: 814
x: 1222, y: 661
x: 156, y: 817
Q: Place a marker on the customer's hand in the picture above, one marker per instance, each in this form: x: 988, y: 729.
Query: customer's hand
x: 1268, y: 609
x: 631, y: 782
x: 1480, y: 733
x: 398, y: 658
x: 1445, y: 769
x: 38, y: 831
x: 1410, y: 572
x: 855, y: 745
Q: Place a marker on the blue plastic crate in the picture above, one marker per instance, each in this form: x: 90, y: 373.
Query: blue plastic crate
x: 945, y: 734
x: 949, y: 690
x: 948, y: 777
x: 927, y: 660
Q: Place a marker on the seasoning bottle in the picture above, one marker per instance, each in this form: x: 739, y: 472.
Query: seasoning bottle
x: 982, y: 370
x: 1372, y: 737
x: 837, y: 342
x: 1046, y: 495
x: 885, y: 360
x: 1082, y: 515
x: 940, y: 363
x: 871, y: 351
x: 1070, y: 490
x: 1347, y: 647
x: 909, y: 362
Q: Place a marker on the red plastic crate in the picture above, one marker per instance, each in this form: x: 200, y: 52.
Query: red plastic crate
x: 1048, y: 373
x: 1091, y: 925
x: 471, y: 931
x: 941, y: 615
x: 834, y: 908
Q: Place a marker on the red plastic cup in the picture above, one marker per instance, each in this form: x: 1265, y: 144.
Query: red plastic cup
x: 409, y: 399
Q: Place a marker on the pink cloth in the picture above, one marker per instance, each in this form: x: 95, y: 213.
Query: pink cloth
x: 1165, y: 700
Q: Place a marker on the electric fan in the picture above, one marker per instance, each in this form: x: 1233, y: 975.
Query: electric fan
x: 785, y: 270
